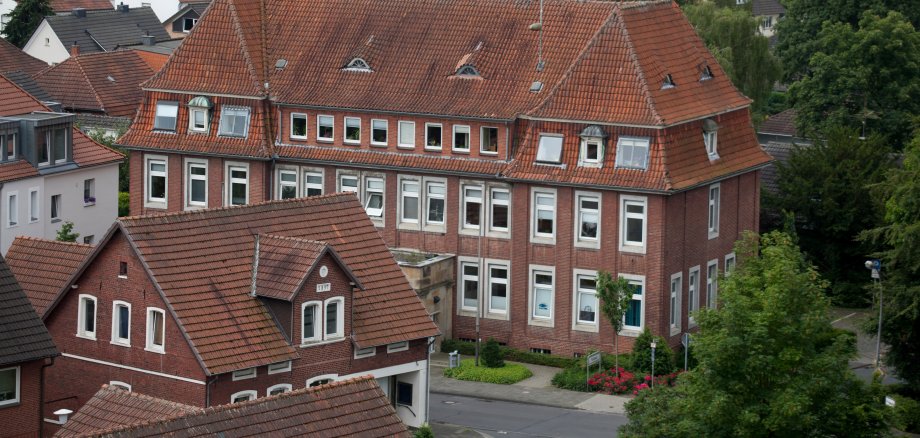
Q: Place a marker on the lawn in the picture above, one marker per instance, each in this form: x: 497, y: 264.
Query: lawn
x: 506, y: 375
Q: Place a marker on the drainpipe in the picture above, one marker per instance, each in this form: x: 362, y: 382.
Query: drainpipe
x: 428, y: 382
x: 41, y: 392
x: 207, y: 391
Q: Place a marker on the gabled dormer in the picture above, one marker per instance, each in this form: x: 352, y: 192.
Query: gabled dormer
x: 45, y: 139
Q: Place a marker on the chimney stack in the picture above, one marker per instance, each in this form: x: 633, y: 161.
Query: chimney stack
x: 122, y: 7
x: 75, y: 49
x: 148, y: 40
x: 79, y: 12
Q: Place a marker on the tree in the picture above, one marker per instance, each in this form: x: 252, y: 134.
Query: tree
x: 24, y: 19
x: 733, y: 38
x: 66, y: 234
x: 826, y: 187
x: 770, y: 363
x: 642, y: 354
x: 614, y: 296
x: 865, y: 76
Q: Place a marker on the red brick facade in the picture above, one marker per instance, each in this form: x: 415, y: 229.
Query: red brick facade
x: 22, y: 419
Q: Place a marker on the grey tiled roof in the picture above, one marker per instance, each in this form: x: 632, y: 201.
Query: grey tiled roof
x: 25, y: 81
x: 767, y: 7
x: 23, y: 336
x: 769, y: 176
x: 105, y: 30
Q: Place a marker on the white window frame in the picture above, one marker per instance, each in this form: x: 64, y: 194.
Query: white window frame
x: 361, y: 353
x: 461, y: 303
x: 587, y: 242
x: 540, y: 147
x: 693, y: 294
x: 577, y: 323
x: 175, y: 115
x: 224, y: 110
x: 247, y: 393
x: 341, y: 175
x: 493, y: 230
x: 116, y: 340
x: 149, y: 345
x: 286, y: 387
x: 440, y: 145
x: 369, y: 192
x: 229, y: 180
x: 583, y: 159
x: 399, y: 142
x: 466, y: 228
x: 247, y: 373
x: 283, y: 368
x: 403, y: 220
x: 89, y: 185
x: 120, y: 384
x: 712, y: 283
x: 675, y: 315
x: 56, y: 206
x: 426, y: 202
x: 282, y: 170
x: 631, y: 246
x: 453, y: 138
x: 535, y: 193
x: 632, y: 142
x: 713, y: 209
x: 629, y: 330
x: 12, y: 211
x: 339, y: 319
x: 18, y: 397
x: 35, y: 202
x: 81, y: 317
x: 306, y: 123
x: 534, y: 319
x: 729, y: 264
x: 386, y: 130
x: 189, y: 178
x: 319, y: 124
x: 396, y: 347
x: 149, y: 200
x: 307, y: 185
x: 330, y: 377
x: 711, y: 140
x: 317, y: 325
x: 345, y: 123
x: 489, y: 280
x: 192, y: 110
x: 482, y: 140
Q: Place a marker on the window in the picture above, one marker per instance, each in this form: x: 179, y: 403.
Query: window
x: 397, y: 347
x: 404, y: 393
x: 287, y: 182
x: 706, y: 74
x: 488, y: 140
x: 542, y: 286
x: 188, y: 24
x: 243, y: 396
x: 409, y: 201
x: 196, y: 180
x: 234, y: 121
x: 358, y: 64
x: 238, y: 184
x: 675, y: 313
x: 693, y: 293
x: 280, y: 388
x: 461, y: 138
x: 348, y: 183
x: 12, y: 210
x: 55, y: 208
x: 714, y: 197
x: 121, y: 385
x: 44, y: 152
x: 469, y: 274
x: 767, y: 22
x: 9, y: 148
x: 544, y: 215
x: 668, y: 82
x: 712, y: 283
x: 632, y: 153
x: 156, y: 180
x: 309, y: 314
x: 433, y: 136
x: 586, y: 298
x: 468, y: 71
x: 632, y: 223
x: 89, y: 191
x: 325, y: 128
x: 9, y: 386
x: 472, y: 207
x: 591, y: 151
x: 361, y: 353
x: 500, y: 209
x: 352, y: 130
x: 588, y: 210
x: 86, y: 317
x: 407, y: 135
x: 335, y: 318
x: 319, y: 381
x: 435, y: 204
x: 59, y: 145
x: 498, y: 288
x: 34, y: 204
x: 550, y: 149
x: 89, y: 239
x: 198, y: 119
x: 634, y: 318
x: 373, y: 203
x: 279, y: 367
x: 379, y: 129
x: 248, y: 373
x: 122, y: 269
x: 156, y: 330
x: 313, y: 182
x: 166, y: 115
x: 729, y: 264
x: 299, y: 126
x: 121, y: 323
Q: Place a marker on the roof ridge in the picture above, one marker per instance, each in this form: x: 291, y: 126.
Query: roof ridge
x: 238, y: 31
x: 57, y: 242
x: 92, y: 88
x: 638, y: 66
x: 311, y: 199
x: 115, y: 389
x: 293, y: 238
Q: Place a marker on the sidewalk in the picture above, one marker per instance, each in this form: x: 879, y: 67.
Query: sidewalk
x: 864, y: 363
x: 534, y: 390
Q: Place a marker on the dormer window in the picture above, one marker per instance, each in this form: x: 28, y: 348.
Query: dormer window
x: 592, y: 147
x: 198, y: 114
x: 8, y: 140
x: 358, y: 64
x: 706, y: 74
x: 52, y: 145
x: 234, y: 121
x: 668, y: 82
x: 468, y: 71
x: 550, y: 149
x: 166, y: 116
x: 632, y: 153
x: 711, y: 138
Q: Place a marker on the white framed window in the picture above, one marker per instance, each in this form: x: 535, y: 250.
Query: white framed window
x: 543, y: 220
x: 237, y: 184
x: 433, y: 136
x: 469, y: 285
x: 348, y: 183
x: 409, y: 199
x: 166, y: 115
x: 633, y: 223
x: 549, y: 151
x: 156, y: 330
x: 279, y: 367
x: 299, y: 126
x: 592, y: 152
x: 373, y: 197
x: 586, y: 303
x: 89, y: 239
x: 710, y: 139
x: 632, y: 153
x: 198, y: 119
x: 461, y: 138
x: 9, y: 386
x: 157, y: 177
x: 313, y: 182
x: 287, y: 183
x: 248, y: 373
x: 396, y: 347
x: 380, y: 130
x: 12, y: 209
x: 325, y: 128
x: 89, y: 191
x: 729, y: 264
x: 499, y: 210
x: 675, y: 316
x: 188, y: 24
x: 714, y: 200
x: 471, y: 203
x: 121, y: 323
x: 55, y: 208
x: 587, y: 219
x: 498, y: 287
x: 86, y: 317
x: 311, y: 324
x: 243, y: 396
x: 406, y: 135
x: 280, y: 388
x: 435, y: 203
x: 488, y: 140
x: 234, y: 121
x: 34, y: 204
x: 542, y: 294
x: 712, y: 283
x: 361, y: 353
x: 693, y: 294
x: 634, y: 319
x: 119, y: 384
x: 352, y: 130
x: 321, y: 380
x: 196, y: 183
x: 334, y: 318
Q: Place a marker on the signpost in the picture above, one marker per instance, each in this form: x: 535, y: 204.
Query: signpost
x: 592, y: 359
x: 685, y: 341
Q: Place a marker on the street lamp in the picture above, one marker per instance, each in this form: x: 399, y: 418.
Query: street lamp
x: 875, y: 265
x: 653, y: 363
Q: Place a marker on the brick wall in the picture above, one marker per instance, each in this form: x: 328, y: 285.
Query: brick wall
x: 22, y: 419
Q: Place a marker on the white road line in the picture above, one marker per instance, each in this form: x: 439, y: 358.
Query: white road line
x: 841, y: 319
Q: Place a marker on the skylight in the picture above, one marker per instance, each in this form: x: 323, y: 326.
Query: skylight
x: 358, y: 64
x: 550, y: 149
x: 668, y: 82
x: 706, y: 74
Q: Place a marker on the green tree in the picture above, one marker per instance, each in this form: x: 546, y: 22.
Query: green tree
x: 865, y: 76
x: 24, y: 19
x: 770, y: 363
x: 492, y: 354
x: 66, y: 234
x: 826, y: 187
x: 642, y: 354
x: 733, y: 38
x: 614, y: 296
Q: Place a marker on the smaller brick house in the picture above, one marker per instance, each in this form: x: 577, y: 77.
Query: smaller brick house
x: 25, y: 347
x: 226, y: 305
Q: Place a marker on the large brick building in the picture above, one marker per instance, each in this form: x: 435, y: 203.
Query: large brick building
x: 226, y: 305
x: 609, y: 139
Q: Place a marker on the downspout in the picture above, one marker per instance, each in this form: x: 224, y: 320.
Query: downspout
x: 41, y: 393
x: 428, y: 381
x: 207, y: 391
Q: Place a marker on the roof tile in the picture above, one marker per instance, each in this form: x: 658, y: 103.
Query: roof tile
x: 43, y: 267
x: 23, y: 336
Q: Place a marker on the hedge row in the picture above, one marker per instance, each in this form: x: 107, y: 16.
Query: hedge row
x: 468, y: 349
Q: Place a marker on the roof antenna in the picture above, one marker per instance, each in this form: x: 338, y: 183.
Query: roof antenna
x: 539, y: 27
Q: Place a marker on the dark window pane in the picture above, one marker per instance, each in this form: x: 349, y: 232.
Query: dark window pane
x: 634, y: 313
x: 500, y: 216
x: 288, y: 192
x: 332, y: 318
x: 473, y: 213
x: 435, y: 210
x: 123, y: 320
x: 309, y: 314
x: 198, y: 190
x: 299, y: 127
x: 634, y: 230
x: 89, y: 322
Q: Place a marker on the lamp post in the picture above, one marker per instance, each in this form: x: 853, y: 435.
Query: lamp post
x: 653, y: 363
x: 875, y: 265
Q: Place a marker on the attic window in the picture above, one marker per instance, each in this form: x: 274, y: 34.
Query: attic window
x: 199, y: 114
x: 711, y: 138
x: 632, y: 153
x: 468, y: 71
x: 706, y: 74
x: 592, y: 146
x: 668, y: 82
x: 358, y: 64
x: 550, y: 149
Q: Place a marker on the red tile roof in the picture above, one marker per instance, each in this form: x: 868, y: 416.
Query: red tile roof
x: 23, y: 336
x: 65, y: 6
x: 43, y: 267
x: 286, y: 262
x: 782, y: 123
x: 112, y: 408
x: 14, y: 59
x: 353, y: 408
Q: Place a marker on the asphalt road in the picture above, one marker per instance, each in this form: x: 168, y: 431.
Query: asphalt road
x: 508, y: 419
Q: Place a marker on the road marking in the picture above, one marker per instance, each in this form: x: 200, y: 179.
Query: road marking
x: 841, y: 319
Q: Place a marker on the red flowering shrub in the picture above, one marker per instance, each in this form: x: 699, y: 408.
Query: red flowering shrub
x: 608, y: 382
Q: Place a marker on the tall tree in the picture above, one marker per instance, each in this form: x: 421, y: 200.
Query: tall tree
x: 24, y: 19
x: 865, y: 76
x: 769, y: 361
x: 614, y: 298
x: 826, y: 186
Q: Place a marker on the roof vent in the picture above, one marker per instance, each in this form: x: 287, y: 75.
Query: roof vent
x: 468, y: 71
x: 706, y: 73
x: 123, y: 7
x: 281, y: 64
x: 536, y: 86
x: 79, y: 12
x: 668, y: 82
x: 358, y: 64
x: 148, y: 40
x: 111, y: 79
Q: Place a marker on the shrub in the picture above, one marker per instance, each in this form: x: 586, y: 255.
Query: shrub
x: 538, y: 358
x: 464, y: 348
x: 492, y: 354
x: 572, y: 378
x: 506, y: 375
x: 642, y: 355
x: 124, y: 204
x: 905, y: 415
x: 423, y: 432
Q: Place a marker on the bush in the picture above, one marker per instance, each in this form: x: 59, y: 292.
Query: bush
x: 572, y: 378
x: 905, y: 415
x: 423, y: 432
x: 506, y: 375
x: 124, y: 204
x: 469, y: 349
x: 492, y: 354
x: 463, y: 347
x: 642, y: 355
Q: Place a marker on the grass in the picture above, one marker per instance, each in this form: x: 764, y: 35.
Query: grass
x: 506, y: 375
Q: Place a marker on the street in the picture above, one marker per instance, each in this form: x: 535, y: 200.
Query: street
x: 501, y: 418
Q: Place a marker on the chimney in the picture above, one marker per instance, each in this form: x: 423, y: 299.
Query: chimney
x: 148, y: 40
x: 63, y: 414
x: 75, y: 49
x: 122, y: 7
x: 79, y: 12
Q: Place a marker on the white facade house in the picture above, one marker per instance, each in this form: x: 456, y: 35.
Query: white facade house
x: 6, y: 6
x: 46, y: 45
x: 163, y: 8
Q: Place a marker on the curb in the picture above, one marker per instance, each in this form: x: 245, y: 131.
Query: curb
x: 443, y: 391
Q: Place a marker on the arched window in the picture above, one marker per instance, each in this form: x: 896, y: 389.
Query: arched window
x: 243, y: 396
x: 278, y: 389
x: 311, y: 322
x: 468, y: 71
x: 358, y: 64
x: 321, y: 380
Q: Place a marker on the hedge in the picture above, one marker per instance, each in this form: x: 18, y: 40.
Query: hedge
x: 468, y: 349
x: 506, y: 375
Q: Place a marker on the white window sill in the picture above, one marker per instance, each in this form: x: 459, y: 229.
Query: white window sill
x: 379, y: 145
x: 405, y: 146
x: 632, y: 332
x: 468, y: 231
x: 585, y: 327
x: 460, y: 151
x: 398, y: 350
x: 86, y: 336
x: 675, y: 331
x: 488, y: 153
x: 467, y: 312
x: 161, y: 205
x: 408, y: 226
x: 155, y: 350
x: 121, y: 343
x: 713, y: 235
x: 306, y: 344
x: 433, y: 148
x: 299, y: 138
x: 590, y: 164
x: 123, y: 277
x: 587, y: 244
x: 324, y: 140
x: 496, y: 315
x: 435, y: 229
x: 33, y: 221
x: 365, y: 356
x: 89, y: 204
x: 543, y: 240
x: 352, y: 142
x: 55, y: 220
x: 195, y: 207
x: 541, y: 322
x: 499, y: 234
x: 632, y: 249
